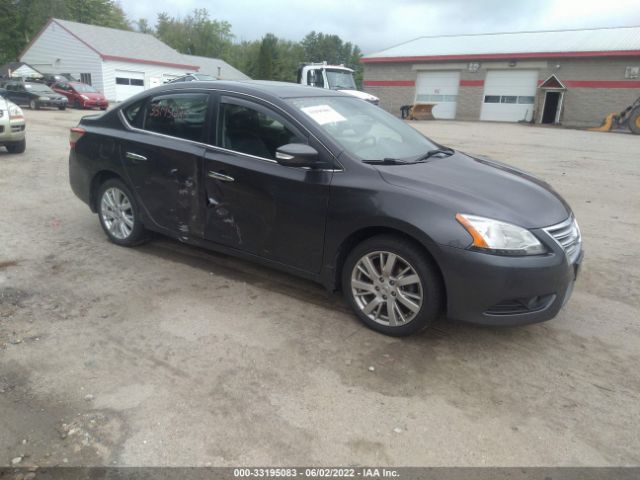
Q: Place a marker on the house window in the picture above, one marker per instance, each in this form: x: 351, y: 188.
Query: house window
x: 122, y: 81
x: 85, y: 78
x: 137, y: 82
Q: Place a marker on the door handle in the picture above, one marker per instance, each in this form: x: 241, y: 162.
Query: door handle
x: 220, y: 176
x: 136, y: 157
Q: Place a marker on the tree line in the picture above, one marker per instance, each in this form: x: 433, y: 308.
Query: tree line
x: 270, y: 58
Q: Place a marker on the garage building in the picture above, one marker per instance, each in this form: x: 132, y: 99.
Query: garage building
x: 118, y: 63
x: 572, y: 77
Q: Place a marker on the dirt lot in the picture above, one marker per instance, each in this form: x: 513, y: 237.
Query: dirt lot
x: 170, y: 355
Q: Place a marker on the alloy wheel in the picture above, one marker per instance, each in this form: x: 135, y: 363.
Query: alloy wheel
x: 386, y: 288
x: 117, y: 213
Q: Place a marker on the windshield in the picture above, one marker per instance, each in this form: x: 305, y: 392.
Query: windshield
x: 364, y: 130
x: 84, y: 88
x: 37, y: 87
x: 340, y: 80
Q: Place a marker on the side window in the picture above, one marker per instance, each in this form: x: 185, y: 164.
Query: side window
x: 177, y: 115
x: 315, y: 79
x: 254, y: 132
x: 133, y: 113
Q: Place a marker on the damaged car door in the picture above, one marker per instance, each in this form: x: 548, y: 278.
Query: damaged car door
x: 255, y: 204
x: 162, y: 155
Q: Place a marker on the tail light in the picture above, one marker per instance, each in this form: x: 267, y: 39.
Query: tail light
x: 75, y: 135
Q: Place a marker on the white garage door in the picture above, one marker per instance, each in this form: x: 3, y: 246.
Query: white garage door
x: 440, y: 88
x: 128, y: 83
x: 509, y: 95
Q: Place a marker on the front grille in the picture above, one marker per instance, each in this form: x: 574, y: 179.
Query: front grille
x: 567, y: 234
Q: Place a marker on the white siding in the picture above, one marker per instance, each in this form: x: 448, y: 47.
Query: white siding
x: 57, y: 51
x: 157, y: 72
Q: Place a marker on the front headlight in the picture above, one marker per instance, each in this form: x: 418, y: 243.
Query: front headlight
x: 84, y: 97
x: 15, y: 112
x: 43, y: 98
x: 494, y: 236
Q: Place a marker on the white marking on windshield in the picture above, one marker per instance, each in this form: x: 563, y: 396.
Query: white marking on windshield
x: 322, y: 114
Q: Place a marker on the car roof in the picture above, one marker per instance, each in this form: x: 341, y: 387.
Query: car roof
x: 263, y: 87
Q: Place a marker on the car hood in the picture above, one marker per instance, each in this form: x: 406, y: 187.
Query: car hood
x: 484, y: 187
x: 359, y: 94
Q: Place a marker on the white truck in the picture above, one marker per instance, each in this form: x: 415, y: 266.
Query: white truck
x: 333, y: 77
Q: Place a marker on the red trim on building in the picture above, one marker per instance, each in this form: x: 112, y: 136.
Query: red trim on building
x: 502, y: 56
x: 602, y: 83
x: 480, y: 83
x: 472, y: 83
x: 150, y: 62
x: 389, y: 83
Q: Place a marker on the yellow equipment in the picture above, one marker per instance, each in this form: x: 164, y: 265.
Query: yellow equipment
x: 628, y: 118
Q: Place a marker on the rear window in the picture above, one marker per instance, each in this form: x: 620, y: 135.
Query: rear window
x: 177, y: 115
x: 131, y: 113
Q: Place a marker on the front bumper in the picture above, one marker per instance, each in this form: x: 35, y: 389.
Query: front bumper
x: 52, y: 103
x: 12, y: 132
x: 498, y: 290
x: 95, y: 103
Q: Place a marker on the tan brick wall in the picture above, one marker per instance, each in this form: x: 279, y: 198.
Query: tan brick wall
x: 581, y: 106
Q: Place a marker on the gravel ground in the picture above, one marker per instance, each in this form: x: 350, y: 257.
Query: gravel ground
x: 170, y: 355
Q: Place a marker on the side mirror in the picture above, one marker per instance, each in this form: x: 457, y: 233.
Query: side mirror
x: 297, y: 155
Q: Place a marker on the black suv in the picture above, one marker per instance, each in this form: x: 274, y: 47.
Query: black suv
x: 331, y: 188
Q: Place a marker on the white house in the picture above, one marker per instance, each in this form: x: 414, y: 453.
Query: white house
x: 118, y: 63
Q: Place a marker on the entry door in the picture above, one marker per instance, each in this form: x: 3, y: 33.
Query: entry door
x: 440, y: 88
x: 253, y: 203
x: 162, y: 157
x: 509, y: 95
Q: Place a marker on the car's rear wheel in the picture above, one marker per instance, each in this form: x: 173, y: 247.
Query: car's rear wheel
x: 62, y: 108
x: 33, y: 105
x: 119, y: 214
x: 392, y: 285
x: 18, y: 147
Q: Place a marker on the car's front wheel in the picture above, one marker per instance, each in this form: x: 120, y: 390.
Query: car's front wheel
x: 119, y: 214
x: 33, y: 105
x: 392, y: 285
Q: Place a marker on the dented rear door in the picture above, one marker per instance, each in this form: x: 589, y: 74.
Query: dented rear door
x: 163, y: 160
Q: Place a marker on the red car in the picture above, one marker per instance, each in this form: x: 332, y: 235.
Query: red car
x: 81, y: 95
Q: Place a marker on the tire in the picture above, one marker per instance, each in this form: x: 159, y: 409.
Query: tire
x: 103, y: 108
x: 62, y: 108
x: 424, y: 290
x: 634, y: 121
x: 18, y: 147
x: 77, y: 105
x: 33, y: 105
x: 122, y: 224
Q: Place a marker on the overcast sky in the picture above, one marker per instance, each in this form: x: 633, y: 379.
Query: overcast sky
x: 378, y: 24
